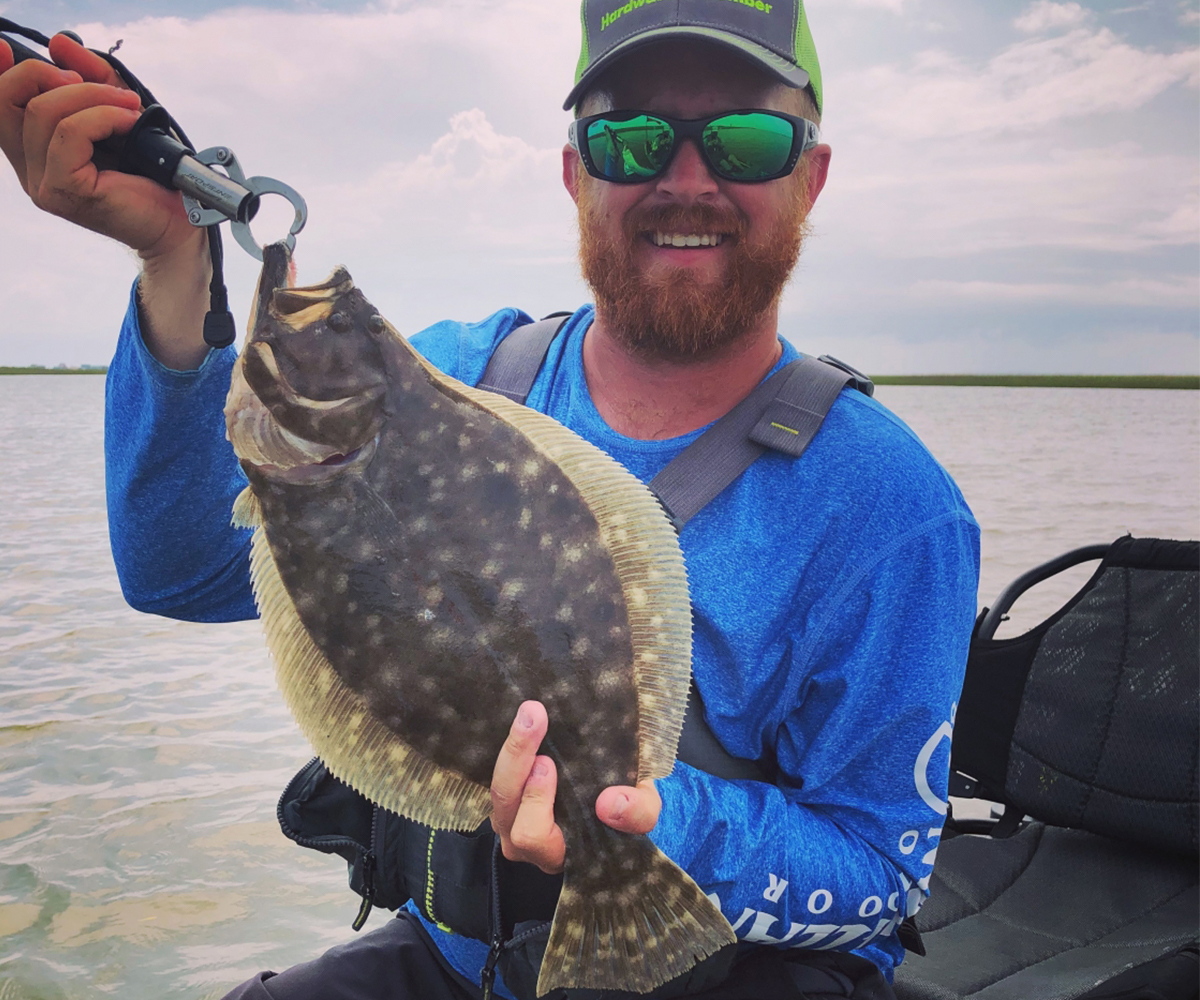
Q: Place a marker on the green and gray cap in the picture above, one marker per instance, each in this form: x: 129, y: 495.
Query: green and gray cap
x: 772, y: 33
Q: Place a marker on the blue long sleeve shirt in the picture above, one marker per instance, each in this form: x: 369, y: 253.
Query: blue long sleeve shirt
x: 833, y: 598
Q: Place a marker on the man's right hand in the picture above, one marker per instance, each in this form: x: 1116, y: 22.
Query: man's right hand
x: 50, y: 116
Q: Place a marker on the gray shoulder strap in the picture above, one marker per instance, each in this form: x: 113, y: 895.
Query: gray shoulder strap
x: 699, y: 747
x: 783, y: 413
x: 515, y: 362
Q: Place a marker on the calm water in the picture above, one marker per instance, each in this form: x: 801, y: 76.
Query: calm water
x: 140, y: 759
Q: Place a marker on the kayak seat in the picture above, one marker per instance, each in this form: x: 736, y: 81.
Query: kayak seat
x: 1086, y: 731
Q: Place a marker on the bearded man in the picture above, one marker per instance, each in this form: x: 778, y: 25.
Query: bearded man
x: 833, y: 594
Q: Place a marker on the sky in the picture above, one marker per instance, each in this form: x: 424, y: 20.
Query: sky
x: 1015, y: 186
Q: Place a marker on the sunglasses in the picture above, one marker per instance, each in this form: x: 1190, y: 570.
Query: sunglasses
x: 631, y: 147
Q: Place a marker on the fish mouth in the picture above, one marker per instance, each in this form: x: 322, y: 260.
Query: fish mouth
x: 325, y: 470
x: 261, y: 441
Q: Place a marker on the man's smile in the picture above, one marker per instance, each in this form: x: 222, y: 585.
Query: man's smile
x: 660, y: 239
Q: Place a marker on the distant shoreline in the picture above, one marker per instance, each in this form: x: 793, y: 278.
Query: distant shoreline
x: 1023, y: 381
x: 36, y: 370
x: 1049, y: 381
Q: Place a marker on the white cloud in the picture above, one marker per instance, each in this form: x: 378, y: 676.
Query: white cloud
x: 1026, y: 86
x: 1033, y: 148
x: 974, y: 197
x: 425, y: 137
x: 441, y: 191
x: 1045, y: 15
x: 895, y: 6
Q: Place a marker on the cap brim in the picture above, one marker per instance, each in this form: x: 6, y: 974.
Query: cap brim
x: 772, y: 62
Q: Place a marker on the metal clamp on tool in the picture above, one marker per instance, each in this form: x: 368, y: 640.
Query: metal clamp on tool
x: 210, y: 197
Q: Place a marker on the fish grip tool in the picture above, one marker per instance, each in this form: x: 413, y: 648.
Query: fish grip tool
x: 158, y: 148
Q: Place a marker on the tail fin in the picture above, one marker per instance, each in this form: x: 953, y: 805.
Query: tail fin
x: 631, y: 922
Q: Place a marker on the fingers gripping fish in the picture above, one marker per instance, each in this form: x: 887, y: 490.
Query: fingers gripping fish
x: 426, y: 557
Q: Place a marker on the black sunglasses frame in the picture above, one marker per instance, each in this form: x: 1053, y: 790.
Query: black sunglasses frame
x: 805, y: 135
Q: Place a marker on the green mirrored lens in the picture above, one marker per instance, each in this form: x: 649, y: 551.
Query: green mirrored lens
x: 748, y: 147
x: 633, y: 149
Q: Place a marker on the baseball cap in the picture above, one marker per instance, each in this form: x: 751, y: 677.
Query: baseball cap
x: 772, y: 33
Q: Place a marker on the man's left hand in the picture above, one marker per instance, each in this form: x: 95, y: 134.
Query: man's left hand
x: 524, y: 784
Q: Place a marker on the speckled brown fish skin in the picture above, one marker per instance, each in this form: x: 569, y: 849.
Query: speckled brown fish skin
x: 448, y: 571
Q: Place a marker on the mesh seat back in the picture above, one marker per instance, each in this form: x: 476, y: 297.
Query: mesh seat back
x: 1105, y: 728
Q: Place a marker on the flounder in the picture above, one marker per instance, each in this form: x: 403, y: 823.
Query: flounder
x: 426, y: 557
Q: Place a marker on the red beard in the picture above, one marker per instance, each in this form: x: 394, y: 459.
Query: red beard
x: 671, y: 315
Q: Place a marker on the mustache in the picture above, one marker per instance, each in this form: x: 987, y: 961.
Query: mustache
x: 697, y: 218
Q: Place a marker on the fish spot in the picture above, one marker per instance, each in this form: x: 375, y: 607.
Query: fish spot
x: 526, y: 517
x: 546, y: 541
x: 432, y: 595
x: 464, y: 441
x: 468, y: 472
x: 342, y: 583
x: 500, y: 467
x: 512, y: 588
x: 491, y: 569
x: 426, y: 615
x: 608, y: 679
x: 531, y: 467
x: 440, y: 637
x: 638, y: 597
x: 564, y: 613
x: 573, y: 553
